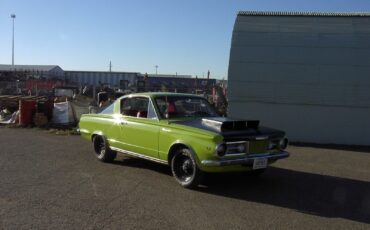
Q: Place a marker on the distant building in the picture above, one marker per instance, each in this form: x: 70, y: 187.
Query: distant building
x: 34, y: 75
x: 306, y: 73
x: 35, y: 71
x: 98, y: 78
x: 179, y: 83
x: 166, y: 75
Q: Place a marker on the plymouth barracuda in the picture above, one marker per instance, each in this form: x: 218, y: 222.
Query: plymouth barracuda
x: 184, y: 132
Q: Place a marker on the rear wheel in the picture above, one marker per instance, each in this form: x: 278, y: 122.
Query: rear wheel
x: 185, y: 170
x: 102, y: 150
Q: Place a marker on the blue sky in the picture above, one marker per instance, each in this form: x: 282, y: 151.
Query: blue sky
x: 187, y: 37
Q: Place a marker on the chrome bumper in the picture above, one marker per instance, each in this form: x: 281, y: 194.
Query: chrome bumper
x: 248, y: 160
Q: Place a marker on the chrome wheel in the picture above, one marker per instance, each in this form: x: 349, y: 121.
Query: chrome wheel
x: 185, y: 169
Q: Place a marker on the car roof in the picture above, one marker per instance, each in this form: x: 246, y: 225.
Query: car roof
x: 159, y: 94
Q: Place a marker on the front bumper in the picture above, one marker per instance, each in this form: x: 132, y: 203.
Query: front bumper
x: 247, y: 160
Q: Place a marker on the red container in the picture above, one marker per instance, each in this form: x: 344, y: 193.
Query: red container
x: 26, y: 111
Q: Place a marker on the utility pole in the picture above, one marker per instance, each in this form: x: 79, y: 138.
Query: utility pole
x: 13, y: 17
x: 156, y: 69
x: 110, y: 66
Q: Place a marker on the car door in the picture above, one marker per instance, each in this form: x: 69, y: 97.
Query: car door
x: 139, y: 126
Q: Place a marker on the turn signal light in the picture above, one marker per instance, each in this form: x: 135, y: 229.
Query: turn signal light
x: 221, y: 150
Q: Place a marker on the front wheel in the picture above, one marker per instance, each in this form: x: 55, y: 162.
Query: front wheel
x: 185, y: 170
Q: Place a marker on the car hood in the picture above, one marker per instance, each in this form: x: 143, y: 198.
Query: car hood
x: 233, y: 129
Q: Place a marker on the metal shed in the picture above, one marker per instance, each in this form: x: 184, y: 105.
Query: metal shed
x: 304, y: 72
x: 45, y: 71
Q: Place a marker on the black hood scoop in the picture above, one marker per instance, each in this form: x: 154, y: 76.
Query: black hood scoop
x: 234, y: 129
x: 223, y: 124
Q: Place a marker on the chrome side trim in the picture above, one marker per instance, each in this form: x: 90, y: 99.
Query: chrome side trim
x: 248, y: 160
x: 235, y: 142
x: 139, y: 155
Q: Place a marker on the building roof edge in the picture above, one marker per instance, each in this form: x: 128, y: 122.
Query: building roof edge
x: 308, y: 13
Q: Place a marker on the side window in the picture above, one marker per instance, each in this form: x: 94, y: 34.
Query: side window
x: 151, y: 111
x: 126, y: 107
x: 162, y: 106
x: 136, y: 107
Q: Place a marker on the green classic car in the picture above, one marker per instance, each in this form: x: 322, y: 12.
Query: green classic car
x: 184, y: 132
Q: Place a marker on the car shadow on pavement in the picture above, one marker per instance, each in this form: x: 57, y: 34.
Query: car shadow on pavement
x: 315, y: 194
x: 144, y: 164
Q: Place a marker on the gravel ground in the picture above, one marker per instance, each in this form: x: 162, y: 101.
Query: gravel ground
x: 49, y: 181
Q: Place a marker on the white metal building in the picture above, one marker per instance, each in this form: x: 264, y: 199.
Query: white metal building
x: 95, y: 78
x: 42, y: 71
x: 305, y: 73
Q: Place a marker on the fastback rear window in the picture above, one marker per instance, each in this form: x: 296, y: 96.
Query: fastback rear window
x: 108, y: 110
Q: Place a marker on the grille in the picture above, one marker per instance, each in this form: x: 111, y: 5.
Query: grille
x: 258, y: 146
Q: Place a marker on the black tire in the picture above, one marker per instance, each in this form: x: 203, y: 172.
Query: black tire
x: 185, y: 169
x: 102, y: 150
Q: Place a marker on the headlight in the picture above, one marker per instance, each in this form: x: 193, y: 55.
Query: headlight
x: 284, y: 143
x: 221, y: 149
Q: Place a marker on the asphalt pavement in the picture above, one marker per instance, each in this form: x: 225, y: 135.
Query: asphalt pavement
x: 49, y: 181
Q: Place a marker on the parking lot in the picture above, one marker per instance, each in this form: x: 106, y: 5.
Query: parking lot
x: 49, y: 181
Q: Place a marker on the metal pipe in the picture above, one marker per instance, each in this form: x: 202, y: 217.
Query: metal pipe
x: 13, y: 17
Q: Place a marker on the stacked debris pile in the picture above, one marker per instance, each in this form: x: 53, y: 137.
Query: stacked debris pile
x: 7, y: 117
x: 18, y: 109
x: 40, y: 120
x: 67, y: 111
x: 42, y: 111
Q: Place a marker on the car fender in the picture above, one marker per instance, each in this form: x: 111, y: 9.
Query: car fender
x: 98, y: 132
x: 196, y: 148
x: 183, y: 143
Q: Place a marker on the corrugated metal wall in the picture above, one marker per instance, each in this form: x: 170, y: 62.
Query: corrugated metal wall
x: 95, y: 78
x: 307, y: 75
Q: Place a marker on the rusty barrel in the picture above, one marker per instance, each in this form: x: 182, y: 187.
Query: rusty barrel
x: 26, y: 110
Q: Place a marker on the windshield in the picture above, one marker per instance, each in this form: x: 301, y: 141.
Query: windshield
x: 184, y: 106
